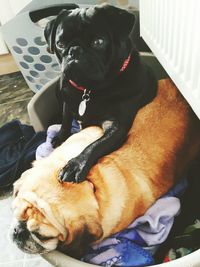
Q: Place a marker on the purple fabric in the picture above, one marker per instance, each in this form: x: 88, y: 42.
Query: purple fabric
x: 46, y: 148
x: 146, y: 232
x: 142, y: 237
x: 150, y: 229
x: 155, y: 225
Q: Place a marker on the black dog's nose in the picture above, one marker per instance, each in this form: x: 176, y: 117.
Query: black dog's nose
x: 20, y: 233
x: 75, y: 51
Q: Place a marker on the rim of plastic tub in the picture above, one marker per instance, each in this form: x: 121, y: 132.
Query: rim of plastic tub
x: 59, y: 259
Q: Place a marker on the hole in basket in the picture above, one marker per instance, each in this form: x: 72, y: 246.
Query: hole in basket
x: 38, y: 86
x: 56, y: 67
x: 33, y: 50
x: 24, y: 65
x: 28, y: 59
x: 39, y: 67
x: 46, y: 59
x: 17, y: 49
x: 51, y: 75
x: 44, y: 81
x: 39, y: 41
x: 34, y: 73
x: 21, y: 41
x: 30, y: 79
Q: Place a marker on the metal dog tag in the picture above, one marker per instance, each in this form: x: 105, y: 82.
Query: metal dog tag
x: 83, y: 103
x: 82, y: 107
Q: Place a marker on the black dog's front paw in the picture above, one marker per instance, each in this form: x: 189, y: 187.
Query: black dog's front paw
x: 57, y: 140
x: 74, y: 171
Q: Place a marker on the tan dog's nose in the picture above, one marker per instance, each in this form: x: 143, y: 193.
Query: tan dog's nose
x: 20, y: 232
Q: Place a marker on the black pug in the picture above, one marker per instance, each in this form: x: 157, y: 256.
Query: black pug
x: 103, y: 81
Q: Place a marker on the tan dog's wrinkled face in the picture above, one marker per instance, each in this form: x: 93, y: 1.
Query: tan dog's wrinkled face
x: 32, y: 232
x: 38, y: 225
x: 34, y: 241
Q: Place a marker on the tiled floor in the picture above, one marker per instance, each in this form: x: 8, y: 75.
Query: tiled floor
x: 14, y: 96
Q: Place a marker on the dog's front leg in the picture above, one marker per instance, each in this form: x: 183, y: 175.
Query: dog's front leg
x: 65, y: 130
x: 77, y: 168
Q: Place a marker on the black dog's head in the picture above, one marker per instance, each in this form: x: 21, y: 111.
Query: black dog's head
x: 90, y: 43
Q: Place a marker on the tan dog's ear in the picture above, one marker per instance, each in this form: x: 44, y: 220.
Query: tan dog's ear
x: 16, y: 187
x: 82, y: 238
x: 20, y: 208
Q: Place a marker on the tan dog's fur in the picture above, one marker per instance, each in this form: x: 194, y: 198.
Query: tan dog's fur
x: 163, y: 141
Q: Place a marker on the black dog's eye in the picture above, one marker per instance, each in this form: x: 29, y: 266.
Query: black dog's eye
x: 98, y: 43
x: 60, y: 45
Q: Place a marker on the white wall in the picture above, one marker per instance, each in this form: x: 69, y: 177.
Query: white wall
x: 171, y: 30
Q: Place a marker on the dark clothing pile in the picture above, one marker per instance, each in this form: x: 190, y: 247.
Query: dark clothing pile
x: 18, y: 143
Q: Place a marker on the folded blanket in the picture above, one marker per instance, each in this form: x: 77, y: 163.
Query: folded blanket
x: 135, y: 245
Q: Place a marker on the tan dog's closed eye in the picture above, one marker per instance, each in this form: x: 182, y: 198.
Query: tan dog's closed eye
x: 164, y: 140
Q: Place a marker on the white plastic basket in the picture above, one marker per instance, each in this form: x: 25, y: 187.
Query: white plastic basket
x: 25, y: 39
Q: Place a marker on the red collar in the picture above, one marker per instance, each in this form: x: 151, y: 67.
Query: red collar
x: 81, y: 88
x: 124, y: 66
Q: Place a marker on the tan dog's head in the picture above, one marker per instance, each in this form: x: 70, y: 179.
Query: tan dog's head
x: 49, y: 214
x: 42, y: 225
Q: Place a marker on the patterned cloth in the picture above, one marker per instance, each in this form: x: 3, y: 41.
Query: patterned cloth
x: 146, y: 233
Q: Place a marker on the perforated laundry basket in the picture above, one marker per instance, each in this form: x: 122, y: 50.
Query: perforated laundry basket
x: 58, y: 259
x: 26, y: 42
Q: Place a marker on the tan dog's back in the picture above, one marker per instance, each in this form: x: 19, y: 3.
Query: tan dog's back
x: 163, y: 140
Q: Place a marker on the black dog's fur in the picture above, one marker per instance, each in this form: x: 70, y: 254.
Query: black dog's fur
x: 92, y: 45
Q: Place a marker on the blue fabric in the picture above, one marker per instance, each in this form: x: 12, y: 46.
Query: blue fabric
x: 75, y: 127
x: 18, y: 143
x: 179, y: 189
x: 124, y: 253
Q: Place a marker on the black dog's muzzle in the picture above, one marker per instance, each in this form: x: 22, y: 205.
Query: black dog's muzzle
x: 75, y: 52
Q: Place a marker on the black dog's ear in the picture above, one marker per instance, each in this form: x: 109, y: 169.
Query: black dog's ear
x: 120, y: 20
x: 49, y: 35
x: 50, y: 30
